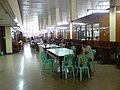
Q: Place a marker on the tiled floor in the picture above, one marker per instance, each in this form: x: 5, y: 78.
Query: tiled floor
x: 21, y: 71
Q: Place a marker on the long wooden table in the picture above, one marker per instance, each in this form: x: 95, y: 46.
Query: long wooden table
x: 59, y: 53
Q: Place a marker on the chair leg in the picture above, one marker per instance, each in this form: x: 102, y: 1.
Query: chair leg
x: 77, y: 72
x: 88, y: 74
x: 73, y: 72
x: 65, y: 73
x: 93, y: 66
x: 80, y: 74
x: 51, y: 67
x: 42, y: 68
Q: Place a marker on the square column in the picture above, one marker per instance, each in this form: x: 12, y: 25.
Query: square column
x: 44, y: 23
x: 57, y: 18
x: 49, y: 20
x: 49, y: 24
x: 8, y: 40
x: 112, y: 17
x: 73, y: 15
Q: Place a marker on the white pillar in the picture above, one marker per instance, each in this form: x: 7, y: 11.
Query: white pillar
x: 73, y: 14
x: 44, y: 23
x: 49, y: 24
x: 71, y: 28
x: 41, y: 24
x: 56, y: 30
x: 112, y: 21
x: 73, y: 11
x: 113, y: 24
x: 57, y: 18
x: 8, y: 40
x: 49, y: 20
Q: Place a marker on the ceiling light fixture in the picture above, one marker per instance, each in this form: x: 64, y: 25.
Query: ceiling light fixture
x: 97, y: 11
x: 50, y: 27
x: 62, y: 23
x: 35, y: 1
x: 15, y: 20
x: 62, y: 27
x: 75, y: 23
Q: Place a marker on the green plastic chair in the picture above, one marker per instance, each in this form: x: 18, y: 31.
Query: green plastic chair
x: 83, y: 66
x: 46, y: 61
x: 68, y: 64
x: 92, y: 65
x: 73, y: 48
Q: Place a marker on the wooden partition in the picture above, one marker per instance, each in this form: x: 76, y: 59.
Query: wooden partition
x: 118, y: 24
x: 104, y: 27
x: 105, y: 49
x: 102, y: 19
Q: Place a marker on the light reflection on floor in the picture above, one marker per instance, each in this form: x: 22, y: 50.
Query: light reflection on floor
x: 22, y: 66
x: 27, y: 51
x: 21, y: 71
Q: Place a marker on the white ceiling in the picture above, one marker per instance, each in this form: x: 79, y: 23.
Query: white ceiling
x: 37, y: 10
x: 34, y: 11
x: 6, y: 14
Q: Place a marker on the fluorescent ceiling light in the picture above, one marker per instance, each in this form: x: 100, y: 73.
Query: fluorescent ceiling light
x: 118, y: 11
x: 16, y: 20
x: 63, y: 23
x: 62, y: 27
x: 97, y: 10
x: 50, y: 27
x: 75, y: 23
x: 43, y: 31
x: 35, y: 1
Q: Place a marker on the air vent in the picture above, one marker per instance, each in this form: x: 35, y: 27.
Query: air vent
x: 4, y: 24
x: 35, y: 1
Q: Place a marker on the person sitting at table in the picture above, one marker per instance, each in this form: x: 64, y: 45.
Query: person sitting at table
x: 79, y: 50
x: 45, y: 40
x: 20, y: 43
x: 72, y: 46
x: 61, y: 44
x: 89, y: 50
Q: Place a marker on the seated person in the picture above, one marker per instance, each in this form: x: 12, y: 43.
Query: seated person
x: 20, y: 42
x: 61, y: 44
x: 72, y: 46
x: 78, y: 52
x: 89, y: 50
x: 45, y: 41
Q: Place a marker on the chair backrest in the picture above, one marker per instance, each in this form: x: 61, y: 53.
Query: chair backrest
x: 40, y: 48
x: 43, y: 56
x: 68, y: 60
x: 73, y: 48
x: 84, y: 59
x: 94, y: 52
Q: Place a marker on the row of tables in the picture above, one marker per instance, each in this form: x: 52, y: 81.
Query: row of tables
x: 57, y: 53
